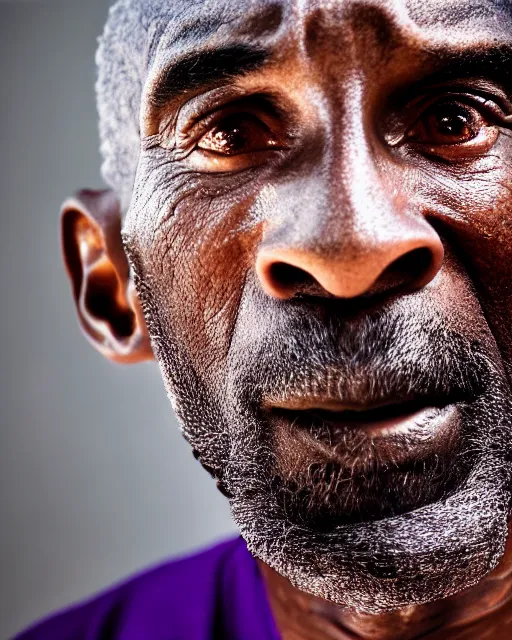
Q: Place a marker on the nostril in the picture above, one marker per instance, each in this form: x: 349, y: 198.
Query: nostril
x: 411, y: 269
x: 287, y: 277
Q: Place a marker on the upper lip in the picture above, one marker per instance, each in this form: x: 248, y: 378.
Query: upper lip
x: 341, y: 379
x: 368, y: 395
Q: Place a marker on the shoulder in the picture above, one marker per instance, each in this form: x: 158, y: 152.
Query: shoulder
x: 172, y: 601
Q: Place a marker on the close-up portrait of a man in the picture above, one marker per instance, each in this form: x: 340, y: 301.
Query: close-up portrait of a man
x: 308, y: 226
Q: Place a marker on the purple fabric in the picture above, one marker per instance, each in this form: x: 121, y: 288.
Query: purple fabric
x: 217, y: 594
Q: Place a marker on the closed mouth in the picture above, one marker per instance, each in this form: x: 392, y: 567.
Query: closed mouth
x: 394, y: 431
x: 376, y: 420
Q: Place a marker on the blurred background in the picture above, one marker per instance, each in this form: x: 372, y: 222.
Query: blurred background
x: 96, y: 481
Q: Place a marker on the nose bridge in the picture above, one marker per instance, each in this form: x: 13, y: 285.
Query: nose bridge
x: 367, y: 213
x: 359, y: 201
x: 343, y: 209
x: 345, y: 226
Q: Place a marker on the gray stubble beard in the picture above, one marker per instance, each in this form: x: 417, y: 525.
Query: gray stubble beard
x: 373, y: 567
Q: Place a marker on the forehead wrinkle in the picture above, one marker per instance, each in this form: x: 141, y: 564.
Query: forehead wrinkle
x: 317, y: 16
x: 214, y: 23
x: 450, y: 13
x: 477, y: 24
x: 408, y: 23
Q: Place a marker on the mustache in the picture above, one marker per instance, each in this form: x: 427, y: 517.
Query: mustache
x: 368, y: 360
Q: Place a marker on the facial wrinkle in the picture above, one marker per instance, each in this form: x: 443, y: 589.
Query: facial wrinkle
x: 333, y: 25
x: 456, y: 14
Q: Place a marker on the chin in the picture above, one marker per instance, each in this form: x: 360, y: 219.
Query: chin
x: 369, y: 487
x: 381, y: 539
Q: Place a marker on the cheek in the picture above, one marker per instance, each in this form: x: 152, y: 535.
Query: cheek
x: 489, y: 257
x: 475, y: 216
x: 194, y: 260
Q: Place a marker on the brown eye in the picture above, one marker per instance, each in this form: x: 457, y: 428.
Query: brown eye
x: 453, y: 131
x: 236, y: 135
x: 448, y: 124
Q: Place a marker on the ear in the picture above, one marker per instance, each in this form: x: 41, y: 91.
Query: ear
x: 108, y: 308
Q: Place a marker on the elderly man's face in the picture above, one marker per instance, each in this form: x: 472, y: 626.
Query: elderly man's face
x: 321, y: 234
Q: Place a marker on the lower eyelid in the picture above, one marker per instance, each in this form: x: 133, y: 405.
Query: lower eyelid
x: 245, y: 161
x: 473, y: 149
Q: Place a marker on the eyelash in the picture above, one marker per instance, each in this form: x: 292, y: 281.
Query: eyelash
x: 481, y: 103
x: 260, y: 107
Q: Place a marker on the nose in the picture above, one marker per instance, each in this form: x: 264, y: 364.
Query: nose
x: 406, y: 265
x: 367, y: 247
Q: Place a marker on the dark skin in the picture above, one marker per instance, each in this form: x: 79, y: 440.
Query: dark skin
x: 332, y: 186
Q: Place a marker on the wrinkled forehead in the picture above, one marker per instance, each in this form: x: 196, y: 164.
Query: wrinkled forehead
x: 204, y: 42
x: 268, y: 23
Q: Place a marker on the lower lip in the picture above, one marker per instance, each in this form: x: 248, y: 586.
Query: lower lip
x: 424, y: 423
x: 400, y: 439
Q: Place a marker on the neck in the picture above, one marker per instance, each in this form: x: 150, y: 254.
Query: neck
x: 485, y: 610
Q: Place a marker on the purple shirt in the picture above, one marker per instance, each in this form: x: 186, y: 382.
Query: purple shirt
x: 217, y: 594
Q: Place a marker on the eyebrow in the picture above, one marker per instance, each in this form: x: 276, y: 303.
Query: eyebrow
x: 493, y: 62
x: 211, y: 67
x: 203, y: 68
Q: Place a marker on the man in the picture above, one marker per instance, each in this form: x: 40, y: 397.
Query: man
x: 316, y: 246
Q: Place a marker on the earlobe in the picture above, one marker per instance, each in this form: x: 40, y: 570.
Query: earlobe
x: 108, y: 308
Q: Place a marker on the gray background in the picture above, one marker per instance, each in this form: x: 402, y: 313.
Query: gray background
x: 95, y: 478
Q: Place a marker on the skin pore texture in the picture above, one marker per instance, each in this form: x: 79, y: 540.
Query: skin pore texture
x: 316, y: 247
